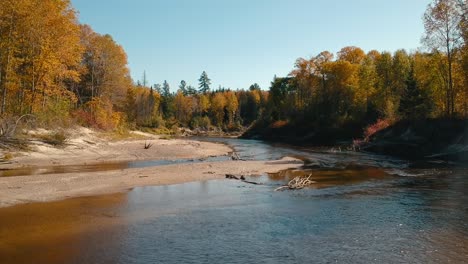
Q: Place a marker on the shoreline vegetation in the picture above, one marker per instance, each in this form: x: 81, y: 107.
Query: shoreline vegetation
x: 429, y: 139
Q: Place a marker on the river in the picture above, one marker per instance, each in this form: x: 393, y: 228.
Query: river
x: 363, y: 208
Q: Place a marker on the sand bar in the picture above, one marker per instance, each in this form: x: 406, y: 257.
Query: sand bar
x: 87, y: 149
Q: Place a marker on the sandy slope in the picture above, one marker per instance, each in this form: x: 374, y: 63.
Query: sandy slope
x: 86, y: 148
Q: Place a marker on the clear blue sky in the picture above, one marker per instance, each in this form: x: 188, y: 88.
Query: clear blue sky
x: 240, y: 42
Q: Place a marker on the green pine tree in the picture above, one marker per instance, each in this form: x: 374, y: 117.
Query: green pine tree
x: 205, y: 83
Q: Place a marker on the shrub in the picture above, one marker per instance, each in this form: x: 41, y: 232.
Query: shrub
x: 279, y: 124
x: 200, y: 122
x: 55, y: 114
x: 99, y: 113
x: 57, y: 138
x: 376, y: 127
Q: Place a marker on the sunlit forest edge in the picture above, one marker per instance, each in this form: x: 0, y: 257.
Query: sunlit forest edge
x: 56, y: 72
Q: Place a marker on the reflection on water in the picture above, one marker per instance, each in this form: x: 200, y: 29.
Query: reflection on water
x: 379, y: 218
x: 55, y: 232
x: 362, y: 209
x: 102, y: 166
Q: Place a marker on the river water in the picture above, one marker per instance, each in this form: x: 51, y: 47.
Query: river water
x: 363, y: 209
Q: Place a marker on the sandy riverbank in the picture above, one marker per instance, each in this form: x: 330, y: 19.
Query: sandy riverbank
x: 87, y: 148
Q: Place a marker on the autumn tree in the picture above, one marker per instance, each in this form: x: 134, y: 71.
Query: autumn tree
x: 40, y: 52
x: 368, y: 83
x: 218, y: 103
x: 351, y: 54
x: 183, y: 108
x: 442, y: 24
x: 232, y: 106
x: 107, y: 74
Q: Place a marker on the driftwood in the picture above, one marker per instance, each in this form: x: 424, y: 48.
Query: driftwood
x: 232, y: 176
x: 297, y: 183
x: 241, y: 178
x: 235, y: 156
x: 8, y: 138
x: 148, y: 145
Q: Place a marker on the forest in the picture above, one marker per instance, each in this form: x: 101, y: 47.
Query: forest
x: 61, y: 72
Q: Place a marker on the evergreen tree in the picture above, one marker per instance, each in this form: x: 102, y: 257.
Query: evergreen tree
x: 415, y: 103
x: 254, y: 86
x: 166, y: 90
x: 191, y: 90
x: 157, y: 88
x: 183, y: 87
x: 167, y: 102
x: 205, y: 83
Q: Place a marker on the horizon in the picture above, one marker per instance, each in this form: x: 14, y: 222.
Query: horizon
x: 177, y: 43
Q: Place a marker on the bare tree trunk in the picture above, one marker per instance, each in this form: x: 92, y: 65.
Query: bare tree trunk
x: 450, y: 79
x: 33, y: 98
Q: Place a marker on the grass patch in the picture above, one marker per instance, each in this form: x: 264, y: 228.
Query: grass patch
x: 57, y: 138
x: 166, y: 137
x: 7, y: 156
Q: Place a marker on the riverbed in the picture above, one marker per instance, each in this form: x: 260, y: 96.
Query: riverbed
x: 363, y: 208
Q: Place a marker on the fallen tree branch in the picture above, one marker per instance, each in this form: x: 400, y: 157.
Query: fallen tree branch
x: 297, y: 183
x: 241, y: 178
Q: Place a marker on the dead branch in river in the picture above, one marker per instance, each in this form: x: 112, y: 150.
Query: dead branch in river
x: 297, y: 183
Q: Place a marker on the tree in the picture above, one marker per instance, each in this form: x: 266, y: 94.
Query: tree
x: 367, y: 82
x: 167, y: 102
x: 442, y: 24
x: 254, y: 86
x: 183, y: 108
x: 385, y: 101
x: 183, y: 87
x: 166, y: 90
x: 232, y: 106
x: 40, y: 52
x: 130, y: 104
x: 107, y: 73
x: 144, y: 81
x: 463, y: 5
x: 400, y: 70
x: 204, y: 104
x: 415, y: 103
x: 205, y: 83
x: 352, y: 54
x: 191, y: 90
x: 218, y: 103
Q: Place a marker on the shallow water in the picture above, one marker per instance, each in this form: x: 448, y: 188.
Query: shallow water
x: 246, y: 149
x: 359, y: 211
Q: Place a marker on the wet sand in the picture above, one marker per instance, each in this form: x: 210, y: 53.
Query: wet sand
x: 86, y: 148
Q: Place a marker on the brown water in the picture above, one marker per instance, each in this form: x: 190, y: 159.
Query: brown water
x: 363, y: 209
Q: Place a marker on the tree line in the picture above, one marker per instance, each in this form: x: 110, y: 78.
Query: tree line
x: 58, y: 70
x: 352, y: 86
x: 156, y: 106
